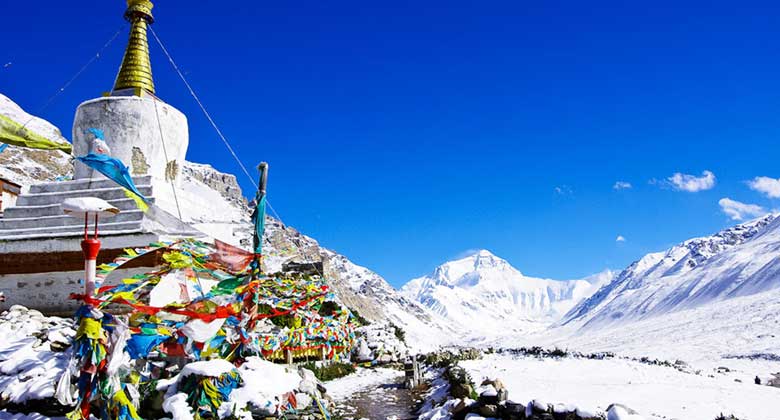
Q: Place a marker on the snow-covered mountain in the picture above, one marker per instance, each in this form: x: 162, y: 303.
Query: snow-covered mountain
x: 738, y: 261
x: 485, y: 295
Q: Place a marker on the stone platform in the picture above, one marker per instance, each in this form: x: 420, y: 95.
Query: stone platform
x: 40, y: 253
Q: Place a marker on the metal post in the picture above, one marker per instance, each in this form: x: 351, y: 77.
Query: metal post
x: 90, y: 247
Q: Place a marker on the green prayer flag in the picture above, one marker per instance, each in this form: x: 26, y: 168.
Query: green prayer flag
x: 13, y: 133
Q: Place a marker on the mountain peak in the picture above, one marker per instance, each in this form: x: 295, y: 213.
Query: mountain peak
x: 482, y: 253
x: 469, y: 269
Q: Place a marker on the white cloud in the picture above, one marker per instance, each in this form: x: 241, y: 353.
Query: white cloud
x: 621, y: 185
x: 738, y: 211
x: 620, y: 238
x: 692, y: 183
x: 563, y: 190
x: 766, y: 185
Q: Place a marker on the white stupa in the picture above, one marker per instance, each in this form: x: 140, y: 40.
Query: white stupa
x: 41, y: 261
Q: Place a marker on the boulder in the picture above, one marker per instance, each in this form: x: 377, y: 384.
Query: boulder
x: 512, y: 408
x: 487, y: 394
x: 586, y: 414
x: 621, y: 412
x: 307, y: 386
x: 536, y: 407
x: 459, y: 406
x: 362, y: 352
x: 461, y: 390
x: 496, y: 383
x: 488, y: 410
x: 503, y: 394
x: 303, y: 401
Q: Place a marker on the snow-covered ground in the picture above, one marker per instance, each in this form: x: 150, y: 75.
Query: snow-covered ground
x: 706, y: 337
x: 34, y: 351
x: 656, y: 392
x: 4, y: 415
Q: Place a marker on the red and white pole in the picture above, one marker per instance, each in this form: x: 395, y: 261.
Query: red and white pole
x: 90, y: 247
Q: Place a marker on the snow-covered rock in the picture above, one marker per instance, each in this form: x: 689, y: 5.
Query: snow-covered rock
x: 621, y: 412
x: 34, y: 352
x: 381, y: 342
x: 26, y: 166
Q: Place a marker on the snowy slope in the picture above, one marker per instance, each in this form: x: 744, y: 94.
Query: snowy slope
x: 26, y: 166
x: 738, y: 261
x: 424, y: 330
x: 484, y: 294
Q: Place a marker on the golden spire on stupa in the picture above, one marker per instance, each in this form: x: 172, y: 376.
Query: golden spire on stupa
x: 136, y: 70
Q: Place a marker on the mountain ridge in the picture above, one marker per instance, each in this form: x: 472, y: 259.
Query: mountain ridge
x: 736, y: 261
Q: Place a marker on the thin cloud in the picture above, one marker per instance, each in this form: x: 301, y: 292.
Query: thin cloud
x: 620, y: 238
x: 739, y: 211
x: 692, y: 183
x: 622, y: 185
x: 766, y: 185
x: 563, y: 190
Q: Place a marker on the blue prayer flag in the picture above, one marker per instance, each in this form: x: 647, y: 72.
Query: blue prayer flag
x: 113, y: 169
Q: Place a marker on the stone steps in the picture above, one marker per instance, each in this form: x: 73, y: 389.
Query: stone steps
x: 107, y: 194
x: 63, y: 220
x: 38, y: 214
x: 83, y: 184
x: 79, y: 229
x: 17, y: 212
x: 4, y: 237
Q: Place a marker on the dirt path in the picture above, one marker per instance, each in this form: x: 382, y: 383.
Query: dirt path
x: 389, y: 400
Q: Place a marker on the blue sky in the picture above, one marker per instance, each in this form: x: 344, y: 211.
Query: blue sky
x: 403, y: 133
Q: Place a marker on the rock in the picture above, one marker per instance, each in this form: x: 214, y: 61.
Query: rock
x: 621, y: 412
x: 307, y: 386
x: 488, y: 410
x: 461, y: 390
x: 586, y: 414
x: 503, y: 394
x: 17, y: 309
x: 461, y: 406
x: 225, y: 184
x: 35, y: 313
x: 514, y: 408
x: 496, y: 383
x: 303, y: 401
x: 536, y: 407
x: 321, y: 388
x: 362, y: 352
x: 487, y: 394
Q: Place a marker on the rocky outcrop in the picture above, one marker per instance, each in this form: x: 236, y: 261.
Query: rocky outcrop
x: 27, y: 166
x: 380, y: 343
x: 225, y: 184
